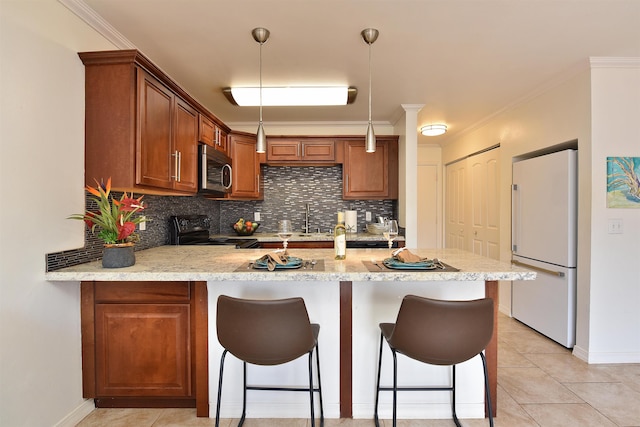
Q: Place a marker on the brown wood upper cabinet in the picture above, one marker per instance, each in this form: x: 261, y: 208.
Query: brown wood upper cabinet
x: 166, y: 142
x: 141, y: 128
x: 212, y: 134
x: 301, y: 151
x: 246, y: 177
x: 370, y: 176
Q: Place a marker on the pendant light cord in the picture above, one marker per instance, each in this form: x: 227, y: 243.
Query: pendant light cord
x: 369, y: 83
x: 261, y: 82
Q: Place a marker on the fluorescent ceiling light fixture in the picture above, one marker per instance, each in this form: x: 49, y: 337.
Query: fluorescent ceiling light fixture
x: 433, y: 130
x: 291, y: 95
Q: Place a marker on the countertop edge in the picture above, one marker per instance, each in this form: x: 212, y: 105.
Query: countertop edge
x: 219, y: 263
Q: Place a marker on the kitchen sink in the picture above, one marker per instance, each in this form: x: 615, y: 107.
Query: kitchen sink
x: 314, y: 235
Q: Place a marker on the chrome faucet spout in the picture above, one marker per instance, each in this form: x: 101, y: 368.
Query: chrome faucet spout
x: 306, y: 218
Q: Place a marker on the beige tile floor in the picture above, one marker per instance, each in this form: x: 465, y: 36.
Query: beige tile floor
x: 539, y: 384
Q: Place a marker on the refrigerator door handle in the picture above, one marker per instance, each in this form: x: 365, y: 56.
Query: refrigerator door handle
x: 515, y: 219
x: 540, y: 269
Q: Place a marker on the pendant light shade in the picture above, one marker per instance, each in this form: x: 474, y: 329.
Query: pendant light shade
x: 261, y: 35
x: 370, y: 35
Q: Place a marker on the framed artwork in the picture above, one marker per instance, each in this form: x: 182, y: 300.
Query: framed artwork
x: 623, y: 182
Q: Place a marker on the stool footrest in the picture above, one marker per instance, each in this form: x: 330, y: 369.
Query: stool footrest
x: 417, y: 389
x: 268, y: 388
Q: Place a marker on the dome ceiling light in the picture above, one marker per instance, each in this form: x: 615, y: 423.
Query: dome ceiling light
x: 434, y: 129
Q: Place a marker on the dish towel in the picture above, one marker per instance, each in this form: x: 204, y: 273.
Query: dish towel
x: 274, y: 258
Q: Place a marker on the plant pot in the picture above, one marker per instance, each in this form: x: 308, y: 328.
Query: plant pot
x: 118, y: 255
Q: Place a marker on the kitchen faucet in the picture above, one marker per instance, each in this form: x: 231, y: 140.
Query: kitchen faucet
x: 306, y: 218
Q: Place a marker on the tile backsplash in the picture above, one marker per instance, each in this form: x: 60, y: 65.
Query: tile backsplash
x: 286, y: 191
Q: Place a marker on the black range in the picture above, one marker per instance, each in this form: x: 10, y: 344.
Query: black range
x: 194, y: 230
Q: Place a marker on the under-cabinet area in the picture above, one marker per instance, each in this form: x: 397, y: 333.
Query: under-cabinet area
x: 144, y: 344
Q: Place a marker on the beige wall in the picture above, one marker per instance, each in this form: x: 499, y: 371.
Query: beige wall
x: 41, y: 174
x: 583, y: 108
x: 614, y: 301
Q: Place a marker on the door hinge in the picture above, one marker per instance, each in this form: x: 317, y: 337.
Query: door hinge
x: 514, y: 248
x: 515, y: 187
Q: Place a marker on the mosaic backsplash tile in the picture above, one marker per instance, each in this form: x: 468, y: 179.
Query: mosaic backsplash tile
x: 287, y: 190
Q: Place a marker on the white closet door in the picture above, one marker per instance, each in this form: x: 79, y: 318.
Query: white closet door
x: 472, y: 204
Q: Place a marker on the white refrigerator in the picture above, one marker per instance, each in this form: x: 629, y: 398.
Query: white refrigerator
x: 544, y: 239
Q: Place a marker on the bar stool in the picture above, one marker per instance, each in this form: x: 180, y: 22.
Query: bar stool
x: 438, y: 333
x: 267, y: 332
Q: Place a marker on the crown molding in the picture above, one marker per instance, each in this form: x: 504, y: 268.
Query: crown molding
x: 614, y: 62
x: 98, y: 23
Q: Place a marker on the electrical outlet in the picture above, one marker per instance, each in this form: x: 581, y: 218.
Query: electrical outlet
x: 367, y: 216
x: 256, y: 216
x: 615, y: 226
x: 143, y: 225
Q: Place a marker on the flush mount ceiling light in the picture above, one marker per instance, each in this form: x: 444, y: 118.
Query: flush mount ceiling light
x: 433, y: 130
x: 261, y: 35
x: 291, y: 96
x: 370, y: 35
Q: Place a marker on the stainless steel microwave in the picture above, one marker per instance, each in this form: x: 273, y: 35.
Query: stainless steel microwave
x: 214, y: 170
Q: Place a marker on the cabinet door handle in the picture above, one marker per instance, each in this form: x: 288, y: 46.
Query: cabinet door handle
x: 258, y: 183
x: 179, y: 166
x: 177, y: 162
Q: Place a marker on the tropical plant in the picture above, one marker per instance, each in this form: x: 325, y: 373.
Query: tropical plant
x: 114, y: 217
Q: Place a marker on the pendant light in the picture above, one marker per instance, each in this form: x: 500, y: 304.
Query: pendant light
x: 370, y: 35
x: 261, y: 35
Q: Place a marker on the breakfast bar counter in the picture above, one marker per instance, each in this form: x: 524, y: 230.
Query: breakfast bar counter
x: 348, y: 298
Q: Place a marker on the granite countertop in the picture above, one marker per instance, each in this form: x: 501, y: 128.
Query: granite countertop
x: 211, y: 263
x: 309, y: 237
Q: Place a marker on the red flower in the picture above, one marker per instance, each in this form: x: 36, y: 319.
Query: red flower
x: 88, y: 218
x: 129, y: 204
x: 125, y: 230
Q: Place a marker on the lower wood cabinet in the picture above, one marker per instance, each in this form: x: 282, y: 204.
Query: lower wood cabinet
x: 144, y: 344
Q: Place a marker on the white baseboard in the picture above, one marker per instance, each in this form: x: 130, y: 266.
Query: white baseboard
x: 75, y: 416
x: 594, y: 358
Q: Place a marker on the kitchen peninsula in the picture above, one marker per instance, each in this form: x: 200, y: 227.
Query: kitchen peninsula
x: 346, y: 297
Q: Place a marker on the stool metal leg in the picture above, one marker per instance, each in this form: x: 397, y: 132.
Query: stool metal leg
x: 244, y: 394
x: 453, y: 396
x: 395, y: 386
x: 224, y: 353
x: 375, y: 413
x: 319, y: 386
x: 313, y: 417
x: 487, y: 391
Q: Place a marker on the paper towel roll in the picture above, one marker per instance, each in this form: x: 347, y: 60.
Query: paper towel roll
x: 351, y: 221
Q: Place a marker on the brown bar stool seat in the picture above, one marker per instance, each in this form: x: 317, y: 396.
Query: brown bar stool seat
x: 267, y: 332
x: 438, y: 333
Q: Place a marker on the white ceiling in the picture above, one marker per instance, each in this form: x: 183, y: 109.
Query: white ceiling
x: 464, y: 60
